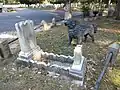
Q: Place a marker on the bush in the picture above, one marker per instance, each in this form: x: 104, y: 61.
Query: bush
x: 85, y: 10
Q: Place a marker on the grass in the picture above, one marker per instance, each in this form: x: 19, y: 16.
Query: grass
x: 56, y: 41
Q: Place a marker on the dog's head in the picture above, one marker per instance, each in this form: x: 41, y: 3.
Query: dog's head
x: 70, y: 23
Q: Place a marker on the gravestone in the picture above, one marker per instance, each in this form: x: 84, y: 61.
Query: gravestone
x: 53, y: 22
x: 27, y: 39
x: 4, y: 49
x: 114, y: 48
x: 78, y: 68
x: 45, y: 25
x: 32, y: 54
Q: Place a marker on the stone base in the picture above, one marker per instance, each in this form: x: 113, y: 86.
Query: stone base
x: 60, y: 64
x: 26, y: 56
x: 79, y: 70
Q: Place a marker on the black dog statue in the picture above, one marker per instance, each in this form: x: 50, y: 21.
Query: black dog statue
x: 80, y: 31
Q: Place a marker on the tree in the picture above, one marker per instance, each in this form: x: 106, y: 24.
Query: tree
x: 29, y: 2
x: 6, y: 1
x: 117, y: 11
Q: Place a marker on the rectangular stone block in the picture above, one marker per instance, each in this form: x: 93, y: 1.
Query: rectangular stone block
x: 78, y: 70
x: 4, y: 49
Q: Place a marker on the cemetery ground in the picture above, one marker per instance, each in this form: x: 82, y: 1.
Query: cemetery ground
x: 56, y: 41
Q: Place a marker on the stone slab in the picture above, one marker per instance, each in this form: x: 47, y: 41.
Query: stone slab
x: 79, y: 70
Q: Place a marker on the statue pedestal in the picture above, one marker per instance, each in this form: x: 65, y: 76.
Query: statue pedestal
x: 26, y: 56
x: 27, y: 40
x: 79, y: 70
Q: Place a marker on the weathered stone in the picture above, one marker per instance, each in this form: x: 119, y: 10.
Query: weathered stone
x: 69, y: 59
x: 62, y: 58
x: 4, y: 49
x: 58, y: 57
x: 114, y: 49
x: 51, y: 56
x: 37, y: 56
x: 45, y: 25
x: 46, y: 55
x: 77, y: 54
x: 42, y: 54
x: 53, y: 22
x: 27, y: 39
x: 78, y: 68
x: 54, y: 57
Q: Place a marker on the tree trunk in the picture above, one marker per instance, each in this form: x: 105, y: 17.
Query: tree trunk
x: 68, y: 10
x: 109, y: 3
x: 117, y: 13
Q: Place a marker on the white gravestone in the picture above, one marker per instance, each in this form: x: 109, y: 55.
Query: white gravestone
x: 78, y: 68
x: 27, y: 38
x: 53, y: 22
x: 45, y: 25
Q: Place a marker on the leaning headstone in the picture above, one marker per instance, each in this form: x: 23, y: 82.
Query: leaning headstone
x: 4, y: 49
x: 45, y: 25
x: 53, y: 22
x: 27, y: 39
x: 78, y: 68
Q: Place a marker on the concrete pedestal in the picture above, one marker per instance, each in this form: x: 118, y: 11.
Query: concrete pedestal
x: 79, y: 70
